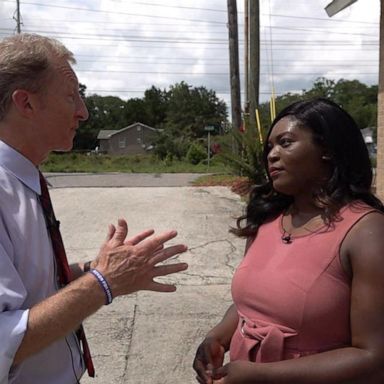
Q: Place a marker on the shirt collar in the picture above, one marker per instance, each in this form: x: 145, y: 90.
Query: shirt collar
x: 22, y: 168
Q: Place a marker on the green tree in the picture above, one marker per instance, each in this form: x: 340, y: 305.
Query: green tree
x: 82, y: 89
x: 322, y: 87
x: 135, y: 112
x: 356, y: 98
x: 191, y: 109
x: 359, y: 100
x: 155, y: 104
x: 243, y: 151
x: 105, y: 112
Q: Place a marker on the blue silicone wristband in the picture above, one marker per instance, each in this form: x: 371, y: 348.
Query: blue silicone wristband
x: 104, y: 285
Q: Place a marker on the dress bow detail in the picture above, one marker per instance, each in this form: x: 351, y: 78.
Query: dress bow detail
x: 261, y: 341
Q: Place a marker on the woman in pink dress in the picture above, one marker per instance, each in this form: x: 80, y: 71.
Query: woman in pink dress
x: 308, y: 297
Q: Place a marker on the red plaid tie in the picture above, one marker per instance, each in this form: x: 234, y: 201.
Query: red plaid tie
x: 63, y: 271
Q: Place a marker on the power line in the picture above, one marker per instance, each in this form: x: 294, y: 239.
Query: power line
x: 324, y: 19
x: 284, y: 45
x: 137, y: 38
x: 121, y: 13
x: 169, y: 40
x: 315, y: 31
x: 201, y: 73
x: 180, y: 7
x: 210, y: 59
x: 192, y: 20
x: 208, y: 63
x: 216, y: 46
x: 167, y: 24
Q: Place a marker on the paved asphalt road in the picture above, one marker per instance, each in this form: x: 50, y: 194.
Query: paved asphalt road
x: 65, y: 180
x: 150, y: 337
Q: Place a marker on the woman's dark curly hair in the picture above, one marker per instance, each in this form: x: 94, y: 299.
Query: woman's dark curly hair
x: 351, y: 171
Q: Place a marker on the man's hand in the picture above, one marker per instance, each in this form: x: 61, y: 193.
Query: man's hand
x: 209, y: 356
x: 130, y: 265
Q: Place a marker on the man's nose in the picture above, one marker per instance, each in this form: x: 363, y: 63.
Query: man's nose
x: 82, y: 111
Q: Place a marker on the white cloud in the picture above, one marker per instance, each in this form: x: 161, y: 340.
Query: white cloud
x: 123, y: 47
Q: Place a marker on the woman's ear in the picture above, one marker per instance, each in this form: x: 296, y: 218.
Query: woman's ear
x: 22, y: 101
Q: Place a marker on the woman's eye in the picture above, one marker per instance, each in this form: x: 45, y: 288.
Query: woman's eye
x: 285, y: 142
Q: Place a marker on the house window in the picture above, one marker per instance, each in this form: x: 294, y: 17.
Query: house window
x: 138, y: 128
x: 121, y: 143
x: 138, y: 140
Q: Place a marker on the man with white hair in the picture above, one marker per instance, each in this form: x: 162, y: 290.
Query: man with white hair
x: 43, y: 301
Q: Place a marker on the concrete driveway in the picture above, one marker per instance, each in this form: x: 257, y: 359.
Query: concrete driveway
x: 148, y: 337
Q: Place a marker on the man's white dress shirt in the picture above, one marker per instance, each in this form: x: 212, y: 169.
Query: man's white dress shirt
x: 27, y: 276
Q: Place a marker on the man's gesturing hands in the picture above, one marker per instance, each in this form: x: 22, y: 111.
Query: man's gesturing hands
x: 130, y: 265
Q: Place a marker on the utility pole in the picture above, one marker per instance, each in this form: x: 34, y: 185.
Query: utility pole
x: 18, y: 21
x: 254, y: 59
x: 380, y: 112
x: 234, y: 64
x: 246, y: 56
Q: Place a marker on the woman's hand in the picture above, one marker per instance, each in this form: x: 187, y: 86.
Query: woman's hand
x: 209, y: 356
x: 237, y: 372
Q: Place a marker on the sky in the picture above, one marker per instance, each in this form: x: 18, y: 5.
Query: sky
x: 124, y: 47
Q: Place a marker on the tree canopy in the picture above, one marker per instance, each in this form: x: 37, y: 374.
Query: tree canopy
x: 182, y: 111
x: 358, y: 99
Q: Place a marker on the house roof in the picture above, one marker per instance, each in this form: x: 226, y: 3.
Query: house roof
x: 367, y: 131
x: 367, y: 134
x: 108, y: 133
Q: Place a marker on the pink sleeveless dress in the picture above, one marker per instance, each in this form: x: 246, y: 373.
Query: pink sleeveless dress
x: 293, y: 299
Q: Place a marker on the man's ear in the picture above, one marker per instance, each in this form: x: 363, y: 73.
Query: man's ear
x: 22, y: 101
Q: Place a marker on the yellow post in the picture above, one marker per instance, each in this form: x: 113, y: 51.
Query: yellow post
x: 272, y: 105
x: 259, y: 125
x: 271, y: 108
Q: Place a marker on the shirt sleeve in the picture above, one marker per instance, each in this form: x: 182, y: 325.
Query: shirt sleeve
x: 13, y: 318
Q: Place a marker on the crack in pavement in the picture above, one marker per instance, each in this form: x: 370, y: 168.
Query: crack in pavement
x: 130, y: 329
x: 207, y: 243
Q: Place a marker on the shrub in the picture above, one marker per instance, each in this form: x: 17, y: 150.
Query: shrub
x: 166, y: 145
x: 242, y: 152
x: 196, y: 153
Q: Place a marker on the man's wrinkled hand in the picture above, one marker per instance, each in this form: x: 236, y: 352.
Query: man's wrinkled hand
x: 130, y: 265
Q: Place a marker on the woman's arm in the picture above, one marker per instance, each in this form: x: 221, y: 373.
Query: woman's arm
x: 210, y: 353
x: 363, y: 362
x: 223, y: 331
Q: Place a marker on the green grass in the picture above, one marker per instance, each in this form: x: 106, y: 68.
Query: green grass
x: 80, y: 162
x: 218, y: 179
